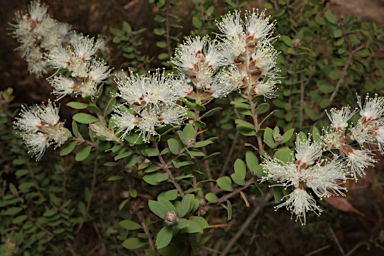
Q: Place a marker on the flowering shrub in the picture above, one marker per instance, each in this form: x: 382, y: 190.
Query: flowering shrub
x: 152, y: 133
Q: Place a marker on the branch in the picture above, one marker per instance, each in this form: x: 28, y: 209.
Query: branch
x: 236, y: 191
x: 95, y: 165
x: 245, y: 225
x: 165, y: 166
x: 146, y: 230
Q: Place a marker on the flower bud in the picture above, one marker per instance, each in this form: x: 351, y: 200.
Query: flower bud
x: 170, y: 218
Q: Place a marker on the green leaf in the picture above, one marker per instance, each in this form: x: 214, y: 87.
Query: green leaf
x: 111, y: 104
x: 196, y: 22
x: 84, y: 118
x: 337, y: 33
x: 167, y: 204
x: 189, y: 131
x: 20, y: 219
x: 238, y: 179
x: 284, y: 154
x: 185, y: 205
x: 268, y: 137
x: 164, y: 237
x: 157, y: 208
x: 151, y: 179
x: 12, y: 211
x: 200, y: 221
x: 251, y: 160
x: 75, y: 130
x: 315, y: 134
x: 212, y: 198
x: 183, y: 223
x: 77, y: 105
x: 211, y: 112
x: 83, y: 153
x: 160, y: 177
x: 151, y: 152
x: 330, y: 17
x: 258, y: 171
x: 174, y: 146
x: 133, y: 243
x: 67, y: 149
x: 278, y: 193
x: 203, y: 143
x: 240, y: 168
x: 130, y: 225
x: 286, y: 40
x: 169, y: 195
x: 287, y: 135
x: 225, y: 183
x: 123, y: 155
x: 115, y: 178
x: 311, y: 113
x: 193, y: 227
x: 229, y: 210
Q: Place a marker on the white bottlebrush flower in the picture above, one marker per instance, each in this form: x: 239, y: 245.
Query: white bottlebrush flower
x: 299, y: 202
x: 364, y: 132
x: 339, y: 118
x: 60, y: 57
x: 83, y: 47
x: 124, y: 121
x: 331, y: 139
x: 379, y: 135
x: 98, y: 71
x: 147, y: 124
x: 231, y: 25
x: 152, y: 89
x: 63, y: 86
x: 307, y: 152
x: 326, y: 178
x: 226, y: 81
x: 173, y: 115
x: 36, y: 143
x: 266, y: 87
x: 38, y: 34
x: 199, y: 59
x: 264, y: 59
x: 288, y: 174
x: 37, y: 11
x: 358, y: 160
x: 372, y: 109
x: 257, y: 26
x: 40, y: 128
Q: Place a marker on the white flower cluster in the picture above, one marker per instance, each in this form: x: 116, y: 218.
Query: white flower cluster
x: 47, y: 43
x: 150, y: 102
x: 40, y: 128
x: 84, y: 69
x: 38, y: 33
x: 241, y: 58
x: 323, y: 176
x: 312, y: 169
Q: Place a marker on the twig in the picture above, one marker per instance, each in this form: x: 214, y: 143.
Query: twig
x: 230, y: 153
x: 236, y: 191
x: 164, y: 166
x: 357, y: 246
x: 341, y: 79
x: 245, y: 225
x: 256, y: 125
x: 70, y: 247
x: 167, y: 29
x: 95, y: 165
x: 337, y: 241
x: 146, y: 231
x: 318, y: 250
